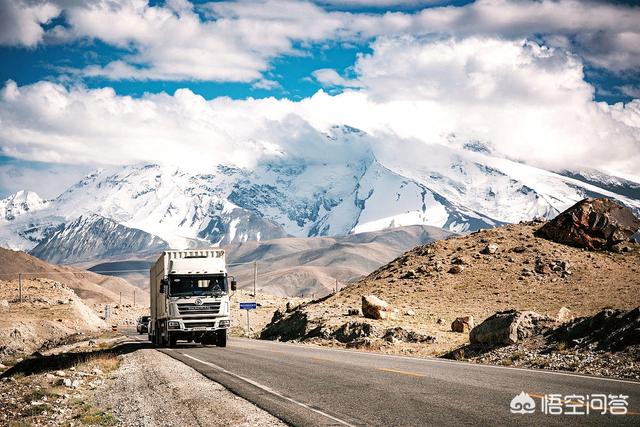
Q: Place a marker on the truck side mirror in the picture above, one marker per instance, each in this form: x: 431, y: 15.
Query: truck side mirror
x: 234, y: 285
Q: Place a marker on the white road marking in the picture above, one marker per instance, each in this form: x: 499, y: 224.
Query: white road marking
x: 269, y: 390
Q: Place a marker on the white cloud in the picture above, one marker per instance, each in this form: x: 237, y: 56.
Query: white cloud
x: 236, y: 41
x: 329, y: 77
x: 529, y: 102
x: 20, y: 21
x: 47, y: 180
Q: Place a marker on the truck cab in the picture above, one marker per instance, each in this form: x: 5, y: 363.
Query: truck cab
x: 190, y: 297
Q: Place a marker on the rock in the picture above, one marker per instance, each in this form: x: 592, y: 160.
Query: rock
x: 519, y: 249
x: 91, y: 343
x: 491, y: 248
x: 462, y: 324
x: 290, y: 307
x: 456, y: 269
x: 440, y: 321
x: 364, y: 343
x: 353, y: 312
x: 542, y: 267
x: 507, y: 327
x: 351, y: 331
x: 458, y: 261
x: 4, y: 305
x: 409, y: 313
x: 594, y: 224
x: 2, y: 367
x: 60, y: 374
x: 398, y: 334
x: 564, y: 315
x: 277, y: 315
x: 96, y: 371
x: 608, y: 330
x: 375, y: 308
x: 67, y: 382
x: 411, y: 274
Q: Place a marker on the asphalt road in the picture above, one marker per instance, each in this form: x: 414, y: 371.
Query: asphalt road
x: 307, y: 385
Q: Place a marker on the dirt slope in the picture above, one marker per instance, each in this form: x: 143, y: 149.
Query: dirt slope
x: 518, y: 275
x: 50, y: 313
x: 311, y: 266
x: 91, y: 287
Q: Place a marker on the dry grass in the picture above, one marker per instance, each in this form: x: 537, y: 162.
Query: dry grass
x: 104, y: 361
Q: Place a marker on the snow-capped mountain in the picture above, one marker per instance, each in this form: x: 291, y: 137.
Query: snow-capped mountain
x: 95, y: 237
x: 134, y: 208
x: 20, y: 203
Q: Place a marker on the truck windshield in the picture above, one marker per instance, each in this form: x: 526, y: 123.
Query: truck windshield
x: 197, y: 285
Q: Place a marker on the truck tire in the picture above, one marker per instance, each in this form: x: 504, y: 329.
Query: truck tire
x: 221, y: 338
x: 172, y: 339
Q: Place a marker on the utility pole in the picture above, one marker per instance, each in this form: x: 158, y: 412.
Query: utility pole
x: 134, y: 298
x: 336, y: 285
x: 20, y: 286
x: 120, y: 298
x: 255, y: 277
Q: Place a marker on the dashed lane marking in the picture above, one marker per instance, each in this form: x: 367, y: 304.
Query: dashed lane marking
x: 398, y: 371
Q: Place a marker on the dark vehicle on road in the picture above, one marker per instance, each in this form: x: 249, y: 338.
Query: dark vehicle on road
x: 142, y: 325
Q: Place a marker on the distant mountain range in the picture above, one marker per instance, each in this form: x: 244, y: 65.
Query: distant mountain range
x: 137, y: 210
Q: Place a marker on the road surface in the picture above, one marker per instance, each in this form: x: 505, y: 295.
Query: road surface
x: 307, y: 385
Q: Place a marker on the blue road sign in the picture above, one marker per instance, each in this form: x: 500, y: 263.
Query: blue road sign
x: 248, y: 306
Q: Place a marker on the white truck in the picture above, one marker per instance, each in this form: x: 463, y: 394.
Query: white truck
x: 190, y: 297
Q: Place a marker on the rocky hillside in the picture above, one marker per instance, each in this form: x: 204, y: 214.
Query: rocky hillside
x: 50, y: 314
x: 474, y: 275
x: 91, y: 287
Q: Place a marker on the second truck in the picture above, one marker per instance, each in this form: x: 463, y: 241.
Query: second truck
x: 190, y: 297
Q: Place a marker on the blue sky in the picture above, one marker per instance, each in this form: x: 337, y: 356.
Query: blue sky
x: 290, y: 50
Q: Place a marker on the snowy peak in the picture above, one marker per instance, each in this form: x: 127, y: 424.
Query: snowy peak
x: 93, y: 237
x: 20, y: 203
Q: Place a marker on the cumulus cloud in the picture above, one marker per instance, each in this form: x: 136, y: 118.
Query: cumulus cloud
x: 236, y: 41
x: 21, y: 21
x: 527, y: 101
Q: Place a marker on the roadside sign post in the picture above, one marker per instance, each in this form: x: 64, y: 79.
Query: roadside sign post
x: 248, y: 306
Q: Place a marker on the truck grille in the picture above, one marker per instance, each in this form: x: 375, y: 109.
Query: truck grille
x: 200, y: 324
x: 190, y: 308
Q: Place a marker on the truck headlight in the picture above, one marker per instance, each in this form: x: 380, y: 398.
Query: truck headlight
x: 174, y: 325
x: 225, y: 323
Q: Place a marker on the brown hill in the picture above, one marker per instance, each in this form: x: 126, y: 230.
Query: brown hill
x: 91, y: 287
x: 311, y: 266
x: 477, y: 274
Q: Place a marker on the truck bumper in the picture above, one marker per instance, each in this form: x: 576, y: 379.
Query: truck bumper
x: 198, y: 325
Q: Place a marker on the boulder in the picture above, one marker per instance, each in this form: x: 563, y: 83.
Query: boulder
x: 409, y: 313
x: 507, y: 327
x: 594, y: 224
x: 491, y: 248
x: 4, y: 305
x: 375, y: 308
x: 352, y: 331
x: 564, y: 315
x: 608, y: 330
x: 462, y: 324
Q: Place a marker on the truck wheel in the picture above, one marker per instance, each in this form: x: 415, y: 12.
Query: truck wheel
x: 221, y: 338
x: 172, y: 340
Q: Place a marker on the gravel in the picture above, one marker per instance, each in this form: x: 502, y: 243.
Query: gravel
x: 151, y: 389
